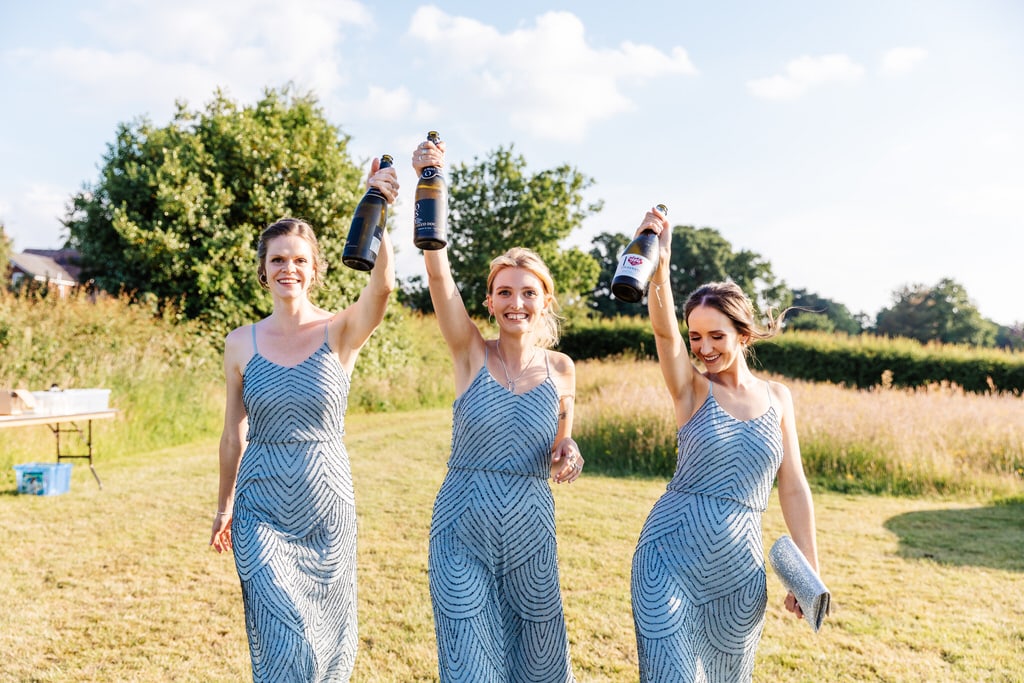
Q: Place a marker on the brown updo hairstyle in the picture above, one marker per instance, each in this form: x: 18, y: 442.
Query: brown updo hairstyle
x: 282, y: 228
x: 732, y: 302
x: 529, y: 260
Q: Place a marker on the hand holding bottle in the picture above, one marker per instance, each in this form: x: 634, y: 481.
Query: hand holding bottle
x: 371, y: 216
x: 384, y: 179
x: 430, y: 215
x: 428, y: 153
x: 642, y: 256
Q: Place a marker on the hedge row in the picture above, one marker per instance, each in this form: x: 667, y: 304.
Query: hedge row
x: 861, y: 361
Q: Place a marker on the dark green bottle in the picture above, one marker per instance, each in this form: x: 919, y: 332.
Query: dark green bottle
x: 367, y: 229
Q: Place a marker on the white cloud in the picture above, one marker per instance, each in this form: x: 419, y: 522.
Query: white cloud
x: 31, y: 215
x: 805, y: 73
x: 396, y: 105
x: 545, y: 78
x: 158, y: 53
x: 900, y: 61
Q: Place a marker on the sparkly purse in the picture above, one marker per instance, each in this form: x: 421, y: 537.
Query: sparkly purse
x: 801, y: 580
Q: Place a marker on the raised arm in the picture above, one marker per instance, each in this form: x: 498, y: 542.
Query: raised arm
x: 352, y: 327
x: 464, y: 340
x: 673, y: 356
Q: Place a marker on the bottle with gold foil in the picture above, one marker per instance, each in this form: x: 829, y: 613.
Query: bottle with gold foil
x: 430, y: 218
x: 368, y: 225
x: 637, y: 265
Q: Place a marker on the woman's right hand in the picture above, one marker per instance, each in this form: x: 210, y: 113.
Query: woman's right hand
x: 220, y: 537
x: 657, y: 223
x: 384, y: 180
x: 428, y: 154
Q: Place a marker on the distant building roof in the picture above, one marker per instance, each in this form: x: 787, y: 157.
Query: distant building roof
x: 67, y: 258
x: 42, y: 268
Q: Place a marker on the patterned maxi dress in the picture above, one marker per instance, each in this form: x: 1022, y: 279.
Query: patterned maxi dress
x: 493, y: 568
x: 294, y: 527
x: 699, y: 589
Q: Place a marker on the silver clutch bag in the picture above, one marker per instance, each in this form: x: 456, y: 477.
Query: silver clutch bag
x: 801, y: 580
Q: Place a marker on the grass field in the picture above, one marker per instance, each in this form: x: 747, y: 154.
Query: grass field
x: 119, y: 584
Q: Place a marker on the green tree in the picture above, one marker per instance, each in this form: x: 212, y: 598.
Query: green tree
x: 698, y: 256
x: 943, y: 313
x: 495, y: 204
x: 1011, y: 337
x: 177, y: 210
x: 819, y: 313
x: 607, y: 251
x: 6, y: 249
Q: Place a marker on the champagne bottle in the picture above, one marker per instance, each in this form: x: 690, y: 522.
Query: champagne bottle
x: 430, y: 221
x: 638, y: 263
x: 367, y: 229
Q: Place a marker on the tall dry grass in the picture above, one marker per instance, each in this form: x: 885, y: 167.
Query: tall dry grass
x: 934, y: 440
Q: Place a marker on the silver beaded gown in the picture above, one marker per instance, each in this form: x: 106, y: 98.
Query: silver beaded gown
x: 493, y: 562
x: 698, y: 583
x: 294, y: 523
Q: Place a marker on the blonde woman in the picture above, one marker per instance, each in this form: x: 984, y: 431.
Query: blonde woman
x: 493, y: 561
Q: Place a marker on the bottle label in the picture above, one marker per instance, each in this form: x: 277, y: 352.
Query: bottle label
x: 425, y: 214
x: 429, y: 172
x: 636, y: 266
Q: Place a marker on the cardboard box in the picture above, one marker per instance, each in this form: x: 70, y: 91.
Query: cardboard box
x: 16, y: 402
x: 43, y: 478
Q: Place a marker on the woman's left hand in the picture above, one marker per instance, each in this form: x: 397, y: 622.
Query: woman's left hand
x: 384, y: 180
x: 793, y: 606
x: 566, y: 461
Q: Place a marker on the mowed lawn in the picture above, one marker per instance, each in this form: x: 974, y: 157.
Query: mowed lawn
x: 119, y: 584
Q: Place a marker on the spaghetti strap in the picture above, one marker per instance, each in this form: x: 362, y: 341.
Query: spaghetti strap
x: 768, y: 386
x: 255, y: 349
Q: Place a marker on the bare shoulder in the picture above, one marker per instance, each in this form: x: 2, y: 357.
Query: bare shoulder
x: 238, y: 347
x: 561, y: 363
x: 238, y: 337
x: 781, y: 396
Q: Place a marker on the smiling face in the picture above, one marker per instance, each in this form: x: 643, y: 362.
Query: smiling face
x: 714, y: 338
x: 289, y: 265
x: 517, y: 299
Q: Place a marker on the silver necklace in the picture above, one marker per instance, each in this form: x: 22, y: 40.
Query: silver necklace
x: 511, y: 381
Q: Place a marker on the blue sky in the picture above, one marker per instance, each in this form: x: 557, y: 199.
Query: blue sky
x: 858, y: 146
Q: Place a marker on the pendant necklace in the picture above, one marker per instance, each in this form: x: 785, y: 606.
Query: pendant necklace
x: 511, y: 382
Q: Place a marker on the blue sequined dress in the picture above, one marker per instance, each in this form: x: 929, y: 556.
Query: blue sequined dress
x: 294, y: 522
x: 698, y: 583
x: 493, y: 566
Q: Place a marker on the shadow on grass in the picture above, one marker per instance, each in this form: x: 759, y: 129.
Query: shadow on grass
x: 989, y: 537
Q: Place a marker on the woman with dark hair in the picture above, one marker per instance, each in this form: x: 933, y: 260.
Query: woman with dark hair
x: 698, y: 584
x: 285, y: 500
x: 493, y: 561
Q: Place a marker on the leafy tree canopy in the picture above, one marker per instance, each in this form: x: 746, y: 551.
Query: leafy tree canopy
x: 495, y: 204
x: 943, y: 313
x: 6, y: 249
x: 698, y: 256
x: 177, y: 210
x: 819, y: 313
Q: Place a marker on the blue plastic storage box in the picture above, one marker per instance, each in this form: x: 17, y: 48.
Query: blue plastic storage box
x: 43, y: 478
